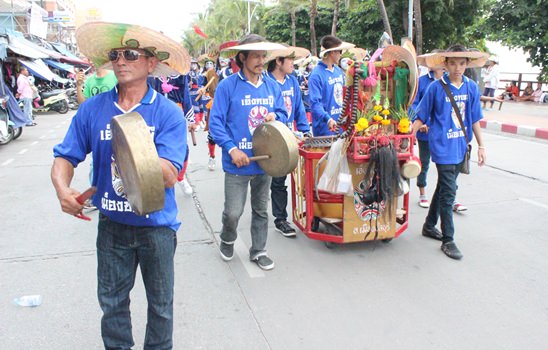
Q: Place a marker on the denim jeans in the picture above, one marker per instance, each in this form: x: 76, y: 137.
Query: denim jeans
x: 441, y: 205
x: 278, y: 194
x: 424, y: 155
x: 27, y: 109
x: 235, y: 197
x: 120, y: 248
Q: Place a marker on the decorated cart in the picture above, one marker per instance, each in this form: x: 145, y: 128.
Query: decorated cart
x: 354, y: 187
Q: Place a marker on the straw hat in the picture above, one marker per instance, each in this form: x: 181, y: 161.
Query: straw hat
x: 343, y: 46
x: 303, y: 62
x: 294, y: 52
x: 437, y: 60
x: 96, y: 39
x: 355, y: 53
x: 231, y: 52
x: 405, y: 54
x: 210, y: 56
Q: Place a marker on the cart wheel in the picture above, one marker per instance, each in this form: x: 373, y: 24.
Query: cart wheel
x: 315, y: 224
x: 387, y: 240
x: 331, y: 245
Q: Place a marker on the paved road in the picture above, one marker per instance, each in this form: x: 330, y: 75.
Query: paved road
x: 402, y: 295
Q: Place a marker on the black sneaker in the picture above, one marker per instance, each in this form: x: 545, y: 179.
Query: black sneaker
x: 433, y: 233
x: 450, y: 249
x: 227, y: 251
x: 264, y: 262
x: 285, y: 229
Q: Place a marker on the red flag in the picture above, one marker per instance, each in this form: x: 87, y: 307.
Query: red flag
x: 198, y: 31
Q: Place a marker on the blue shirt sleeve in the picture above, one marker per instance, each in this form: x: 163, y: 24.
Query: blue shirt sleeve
x: 279, y: 106
x: 77, y: 143
x: 217, y: 117
x: 171, y: 138
x: 301, y: 120
x: 319, y: 114
x: 426, y: 104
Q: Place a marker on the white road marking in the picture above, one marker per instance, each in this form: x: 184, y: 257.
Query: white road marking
x: 538, y: 204
x: 34, y: 143
x: 42, y: 137
x: 58, y: 126
x: 7, y: 161
x: 23, y: 151
x: 51, y: 130
x: 243, y: 253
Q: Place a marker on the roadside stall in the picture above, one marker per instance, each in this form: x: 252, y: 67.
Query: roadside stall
x: 354, y: 187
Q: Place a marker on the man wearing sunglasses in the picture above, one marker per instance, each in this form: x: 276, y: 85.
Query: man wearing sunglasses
x: 126, y: 240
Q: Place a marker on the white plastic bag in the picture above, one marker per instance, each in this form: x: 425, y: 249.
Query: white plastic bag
x: 336, y: 177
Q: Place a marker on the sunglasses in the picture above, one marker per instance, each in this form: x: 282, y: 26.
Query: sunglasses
x: 129, y: 55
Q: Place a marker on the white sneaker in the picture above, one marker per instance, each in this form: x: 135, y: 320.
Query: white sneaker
x: 424, y: 202
x: 457, y: 207
x: 211, y: 164
x: 187, y: 189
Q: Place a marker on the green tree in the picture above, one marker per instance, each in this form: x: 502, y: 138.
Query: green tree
x: 290, y: 7
x: 523, y: 24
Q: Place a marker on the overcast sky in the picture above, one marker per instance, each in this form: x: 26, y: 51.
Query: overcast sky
x: 168, y: 16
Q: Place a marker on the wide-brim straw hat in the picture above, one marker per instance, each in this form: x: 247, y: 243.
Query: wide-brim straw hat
x: 303, y: 62
x: 97, y: 39
x: 210, y: 56
x: 343, y: 46
x: 494, y: 59
x: 437, y: 60
x: 232, y: 51
x: 294, y: 52
x: 355, y: 53
x: 407, y: 55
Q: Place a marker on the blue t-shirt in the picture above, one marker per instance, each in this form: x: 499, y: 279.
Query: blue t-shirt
x: 238, y: 108
x: 445, y: 136
x: 325, y: 89
x: 90, y: 131
x: 424, y: 83
x: 291, y: 93
x: 179, y: 94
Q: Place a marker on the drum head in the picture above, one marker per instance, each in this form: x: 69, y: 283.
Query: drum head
x: 277, y: 141
x: 138, y: 163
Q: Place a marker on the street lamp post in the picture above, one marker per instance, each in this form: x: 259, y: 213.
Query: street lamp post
x: 250, y: 13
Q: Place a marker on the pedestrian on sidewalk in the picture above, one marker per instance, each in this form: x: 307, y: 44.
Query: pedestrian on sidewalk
x: 242, y: 102
x: 447, y: 138
x: 491, y: 79
x: 126, y: 240
x: 25, y: 94
x: 280, y: 69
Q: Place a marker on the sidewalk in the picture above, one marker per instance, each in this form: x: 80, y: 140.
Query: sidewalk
x: 523, y: 118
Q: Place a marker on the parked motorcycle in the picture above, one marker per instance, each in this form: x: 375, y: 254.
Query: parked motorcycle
x: 56, y: 100
x: 7, y: 127
x: 72, y: 98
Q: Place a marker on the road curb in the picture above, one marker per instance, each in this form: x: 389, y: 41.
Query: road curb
x: 524, y: 130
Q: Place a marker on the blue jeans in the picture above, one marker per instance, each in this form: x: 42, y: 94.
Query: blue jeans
x: 424, y: 156
x: 27, y: 109
x: 235, y: 197
x: 120, y: 248
x: 441, y: 205
x: 278, y: 194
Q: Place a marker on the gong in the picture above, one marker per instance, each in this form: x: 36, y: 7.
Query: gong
x: 138, y: 163
x: 275, y: 148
